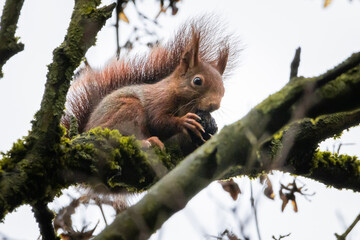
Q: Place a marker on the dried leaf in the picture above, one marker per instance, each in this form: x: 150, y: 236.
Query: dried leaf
x: 291, y: 189
x: 231, y: 187
x: 230, y: 235
x: 327, y: 3
x: 174, y: 9
x: 268, y: 191
x: 123, y: 17
x: 293, y: 202
x: 163, y: 10
x: 65, y: 236
x: 63, y: 217
x: 76, y: 235
x: 284, y: 198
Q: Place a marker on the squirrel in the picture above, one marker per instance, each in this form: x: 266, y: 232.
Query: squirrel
x: 156, y: 96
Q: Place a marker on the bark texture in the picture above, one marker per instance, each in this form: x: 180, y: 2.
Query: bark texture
x: 9, y: 45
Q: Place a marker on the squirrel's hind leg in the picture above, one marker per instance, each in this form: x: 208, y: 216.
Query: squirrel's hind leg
x: 127, y: 115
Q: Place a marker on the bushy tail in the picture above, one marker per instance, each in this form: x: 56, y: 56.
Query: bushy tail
x: 91, y: 86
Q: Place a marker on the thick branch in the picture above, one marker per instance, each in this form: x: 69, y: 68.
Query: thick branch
x: 234, y: 146
x: 26, y: 172
x: 103, y: 159
x: 85, y: 23
x: 293, y: 150
x: 310, y: 97
x: 294, y: 147
x: 9, y: 45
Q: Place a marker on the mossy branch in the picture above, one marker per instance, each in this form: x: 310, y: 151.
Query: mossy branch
x: 9, y: 45
x: 44, y: 216
x: 236, y: 146
x: 103, y: 159
x: 294, y: 149
x: 28, y: 171
x: 302, y: 140
x: 86, y: 21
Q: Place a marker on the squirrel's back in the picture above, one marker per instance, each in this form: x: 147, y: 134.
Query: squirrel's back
x: 92, y: 86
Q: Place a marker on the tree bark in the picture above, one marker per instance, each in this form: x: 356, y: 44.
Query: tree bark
x: 237, y: 145
x: 9, y: 45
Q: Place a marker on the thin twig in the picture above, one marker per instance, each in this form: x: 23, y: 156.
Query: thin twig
x: 254, y: 209
x: 344, y: 235
x: 295, y: 64
x: 102, y: 212
x: 281, y: 236
x: 120, y: 5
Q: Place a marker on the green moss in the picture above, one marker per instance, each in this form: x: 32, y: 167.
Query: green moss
x: 114, y: 161
x: 13, y: 156
x: 336, y: 170
x: 74, y: 127
x: 281, y: 97
x: 37, y: 167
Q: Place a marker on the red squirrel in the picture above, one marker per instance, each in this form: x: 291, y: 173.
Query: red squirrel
x: 155, y: 97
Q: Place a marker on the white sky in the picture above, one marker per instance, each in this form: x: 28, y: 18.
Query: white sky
x: 270, y: 31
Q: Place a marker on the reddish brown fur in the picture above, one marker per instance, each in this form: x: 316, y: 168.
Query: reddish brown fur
x: 195, y: 51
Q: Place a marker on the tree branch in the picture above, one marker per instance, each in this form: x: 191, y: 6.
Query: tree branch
x: 344, y: 235
x: 31, y: 161
x: 44, y: 216
x: 9, y: 45
x: 103, y: 159
x: 233, y: 146
x: 86, y: 21
x: 295, y: 64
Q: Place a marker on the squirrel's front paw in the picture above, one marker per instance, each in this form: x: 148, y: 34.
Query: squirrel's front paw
x: 151, y: 142
x: 189, y: 123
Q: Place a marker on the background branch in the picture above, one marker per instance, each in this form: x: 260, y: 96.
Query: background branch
x: 26, y: 171
x: 9, y: 45
x: 295, y: 64
x: 344, y: 235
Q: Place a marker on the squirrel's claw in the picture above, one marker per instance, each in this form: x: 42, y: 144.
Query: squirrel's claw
x: 195, y: 124
x: 192, y: 116
x: 190, y: 123
x: 151, y: 142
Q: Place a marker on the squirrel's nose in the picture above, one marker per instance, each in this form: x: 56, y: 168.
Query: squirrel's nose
x: 214, y: 106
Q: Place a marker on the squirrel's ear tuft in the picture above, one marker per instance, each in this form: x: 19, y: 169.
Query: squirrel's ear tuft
x: 190, y: 57
x: 220, y: 65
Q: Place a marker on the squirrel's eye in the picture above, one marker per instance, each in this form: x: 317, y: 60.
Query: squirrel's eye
x: 197, y: 81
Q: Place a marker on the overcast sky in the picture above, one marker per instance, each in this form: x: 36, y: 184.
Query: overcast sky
x: 270, y: 31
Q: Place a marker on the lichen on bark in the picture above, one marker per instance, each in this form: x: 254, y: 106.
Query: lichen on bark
x: 9, y: 45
